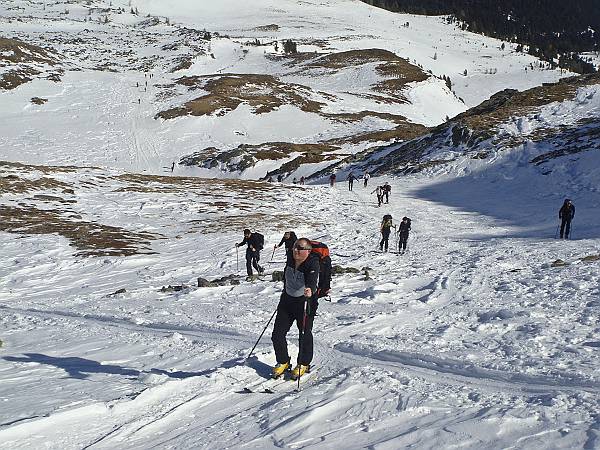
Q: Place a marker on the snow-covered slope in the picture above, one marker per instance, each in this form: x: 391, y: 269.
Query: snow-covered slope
x: 483, y: 335
x: 362, y: 77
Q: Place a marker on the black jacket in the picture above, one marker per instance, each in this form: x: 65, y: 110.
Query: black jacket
x: 404, y: 227
x: 289, y: 242
x: 567, y: 212
x: 253, y: 241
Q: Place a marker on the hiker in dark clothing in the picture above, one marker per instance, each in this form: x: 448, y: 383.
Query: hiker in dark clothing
x: 332, y: 179
x: 566, y: 214
x: 351, y: 179
x: 403, y: 230
x: 255, y: 243
x: 289, y: 238
x: 299, y: 288
x: 386, y: 191
x: 279, y: 178
x: 379, y: 191
x: 386, y: 228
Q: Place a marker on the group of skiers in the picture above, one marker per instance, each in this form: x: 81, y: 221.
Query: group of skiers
x: 402, y: 231
x: 302, y: 279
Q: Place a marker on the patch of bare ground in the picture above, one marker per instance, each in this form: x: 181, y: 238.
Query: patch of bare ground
x: 14, y: 185
x: 16, y: 51
x: 263, y: 93
x: 501, y: 106
x: 20, y: 57
x: 90, y: 238
x: 47, y: 170
x: 38, y: 100
x: 252, y: 220
x: 201, y: 186
x: 245, y: 156
x: 403, y: 132
x: 270, y: 27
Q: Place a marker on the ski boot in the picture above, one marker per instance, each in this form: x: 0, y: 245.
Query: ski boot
x: 280, y: 369
x: 300, y: 370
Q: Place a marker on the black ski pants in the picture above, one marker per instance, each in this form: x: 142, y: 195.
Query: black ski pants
x: 403, y: 237
x: 385, y: 236
x: 350, y: 183
x: 291, y: 309
x: 565, y: 228
x: 252, y: 258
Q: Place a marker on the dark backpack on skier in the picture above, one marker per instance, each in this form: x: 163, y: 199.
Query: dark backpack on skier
x: 387, y: 221
x: 260, y: 241
x: 322, y: 251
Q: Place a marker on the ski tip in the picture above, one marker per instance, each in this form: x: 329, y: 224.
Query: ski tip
x: 268, y: 391
x: 246, y: 390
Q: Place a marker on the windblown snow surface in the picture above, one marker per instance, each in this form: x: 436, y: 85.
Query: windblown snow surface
x: 484, y: 335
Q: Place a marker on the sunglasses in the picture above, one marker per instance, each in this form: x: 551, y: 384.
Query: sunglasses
x: 301, y: 248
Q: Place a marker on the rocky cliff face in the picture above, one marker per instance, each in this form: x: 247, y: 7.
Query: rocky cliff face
x: 509, y: 119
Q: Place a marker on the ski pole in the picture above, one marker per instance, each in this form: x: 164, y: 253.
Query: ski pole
x: 556, y: 234
x: 274, y: 248
x: 237, y: 259
x: 261, y: 335
x: 304, y: 320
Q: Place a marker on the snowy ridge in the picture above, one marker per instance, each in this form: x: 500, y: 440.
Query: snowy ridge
x: 105, y: 109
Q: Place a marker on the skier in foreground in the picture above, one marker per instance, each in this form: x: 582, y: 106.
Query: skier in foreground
x: 298, y: 303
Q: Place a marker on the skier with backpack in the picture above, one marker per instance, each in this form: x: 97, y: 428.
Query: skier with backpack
x: 255, y: 242
x: 307, y: 277
x: 289, y: 238
x: 403, y: 230
x: 566, y: 214
x: 386, y: 228
x: 386, y: 188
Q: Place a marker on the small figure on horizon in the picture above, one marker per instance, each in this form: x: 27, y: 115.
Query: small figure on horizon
x: 366, y: 177
x: 173, y: 167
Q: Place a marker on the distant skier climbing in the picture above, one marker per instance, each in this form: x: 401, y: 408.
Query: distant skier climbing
x: 351, y: 179
x: 403, y: 230
x: 256, y: 242
x: 332, y: 179
x: 566, y: 214
x: 385, y: 228
x: 379, y: 191
x: 366, y: 177
x: 386, y: 191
